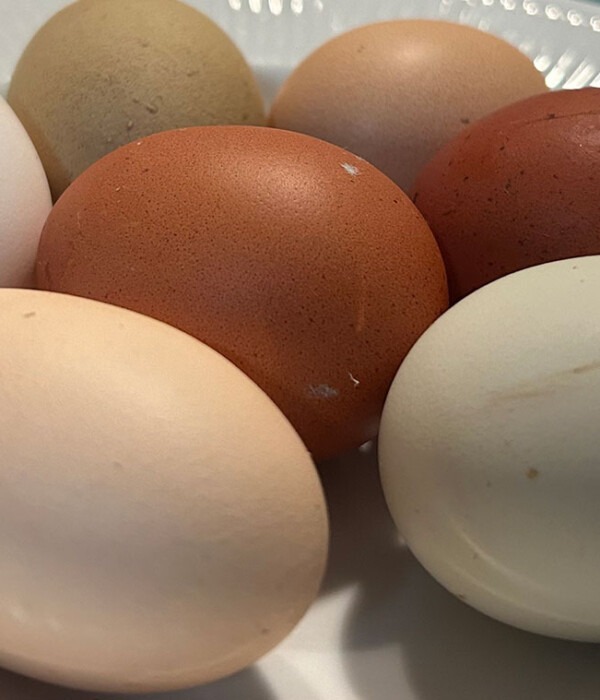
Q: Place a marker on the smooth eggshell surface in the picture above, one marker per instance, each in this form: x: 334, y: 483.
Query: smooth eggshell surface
x: 517, y: 189
x: 395, y: 92
x: 24, y: 201
x: 162, y: 523
x: 300, y: 262
x: 489, y: 449
x: 103, y: 73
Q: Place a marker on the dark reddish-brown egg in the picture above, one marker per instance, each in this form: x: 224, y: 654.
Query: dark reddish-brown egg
x: 518, y: 188
x: 300, y: 262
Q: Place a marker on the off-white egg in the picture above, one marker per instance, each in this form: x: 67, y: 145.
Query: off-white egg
x: 24, y: 201
x: 490, y: 449
x: 162, y: 523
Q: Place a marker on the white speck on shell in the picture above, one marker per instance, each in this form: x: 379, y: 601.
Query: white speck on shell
x: 350, y: 169
x: 323, y: 391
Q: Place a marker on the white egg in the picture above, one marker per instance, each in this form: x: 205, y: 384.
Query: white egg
x: 25, y: 201
x: 162, y: 523
x: 490, y: 449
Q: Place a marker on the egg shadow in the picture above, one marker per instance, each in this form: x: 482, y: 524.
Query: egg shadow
x: 361, y: 530
x: 407, y: 634
x: 247, y: 685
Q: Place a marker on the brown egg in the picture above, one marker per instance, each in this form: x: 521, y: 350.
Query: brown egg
x: 517, y: 189
x: 395, y: 92
x: 102, y: 73
x: 301, y: 263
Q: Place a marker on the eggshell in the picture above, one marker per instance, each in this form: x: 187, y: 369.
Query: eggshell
x: 517, y: 189
x: 162, y: 523
x: 301, y: 263
x: 395, y: 92
x: 489, y: 449
x: 102, y: 73
x: 24, y: 201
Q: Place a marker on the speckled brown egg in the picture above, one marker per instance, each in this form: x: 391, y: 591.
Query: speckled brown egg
x: 395, y: 92
x: 301, y: 263
x: 517, y: 189
x: 102, y: 73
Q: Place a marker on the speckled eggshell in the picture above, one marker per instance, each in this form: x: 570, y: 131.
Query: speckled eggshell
x: 24, y: 201
x: 300, y: 262
x: 395, y: 92
x: 162, y: 523
x: 102, y: 73
x: 517, y: 189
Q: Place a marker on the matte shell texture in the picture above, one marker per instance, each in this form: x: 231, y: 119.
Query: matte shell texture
x: 395, y: 92
x: 162, y: 523
x: 301, y: 263
x: 489, y: 449
x: 519, y: 188
x: 102, y: 73
x: 24, y: 201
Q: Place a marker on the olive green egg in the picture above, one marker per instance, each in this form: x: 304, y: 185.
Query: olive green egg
x: 103, y: 73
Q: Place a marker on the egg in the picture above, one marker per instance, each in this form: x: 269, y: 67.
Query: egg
x: 302, y: 264
x: 518, y: 188
x: 24, y: 201
x: 162, y: 523
x: 102, y: 73
x: 489, y: 449
x: 394, y: 92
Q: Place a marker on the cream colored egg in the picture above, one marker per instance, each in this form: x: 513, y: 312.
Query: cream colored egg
x: 490, y: 449
x: 394, y: 92
x: 162, y: 523
x: 24, y: 201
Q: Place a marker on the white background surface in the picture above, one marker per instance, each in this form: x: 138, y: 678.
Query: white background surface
x: 382, y: 629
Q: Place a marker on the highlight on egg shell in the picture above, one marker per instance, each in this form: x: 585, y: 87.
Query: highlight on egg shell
x: 24, y: 201
x: 103, y: 73
x: 301, y: 263
x: 162, y: 523
x: 395, y: 92
x: 489, y: 449
x: 516, y: 189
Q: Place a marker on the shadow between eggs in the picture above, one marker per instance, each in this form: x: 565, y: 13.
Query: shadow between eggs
x: 406, y: 630
x: 362, y: 532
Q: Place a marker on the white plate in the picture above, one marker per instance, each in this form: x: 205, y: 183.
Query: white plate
x: 382, y: 628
